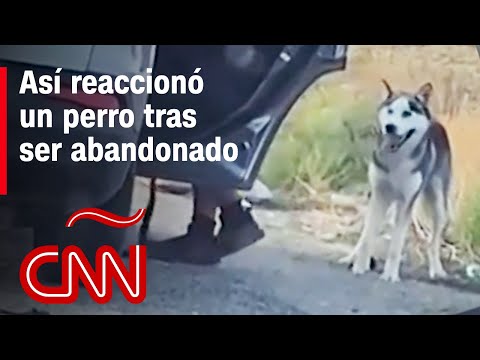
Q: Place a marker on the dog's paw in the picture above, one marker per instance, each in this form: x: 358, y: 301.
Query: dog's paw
x: 437, y: 273
x: 347, y: 259
x: 373, y: 264
x: 361, y: 265
x: 390, y: 276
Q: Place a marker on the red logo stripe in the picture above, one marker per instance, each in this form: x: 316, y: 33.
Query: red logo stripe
x: 3, y: 131
x: 105, y: 217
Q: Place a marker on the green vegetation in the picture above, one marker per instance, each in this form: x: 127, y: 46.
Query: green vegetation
x: 326, y: 141
x: 468, y: 226
x: 324, y: 144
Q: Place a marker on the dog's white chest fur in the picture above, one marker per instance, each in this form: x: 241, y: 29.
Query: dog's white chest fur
x: 400, y: 179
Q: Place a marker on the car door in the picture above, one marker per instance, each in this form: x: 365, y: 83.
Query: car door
x: 249, y: 90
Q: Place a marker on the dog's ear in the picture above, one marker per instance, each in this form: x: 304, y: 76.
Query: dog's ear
x: 388, y: 88
x: 425, y: 92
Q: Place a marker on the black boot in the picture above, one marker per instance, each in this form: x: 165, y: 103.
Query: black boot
x: 239, y: 229
x: 196, y: 247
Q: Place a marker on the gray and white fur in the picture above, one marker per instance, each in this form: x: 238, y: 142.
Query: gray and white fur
x: 411, y: 165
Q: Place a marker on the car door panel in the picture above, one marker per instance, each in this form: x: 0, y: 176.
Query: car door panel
x: 250, y: 123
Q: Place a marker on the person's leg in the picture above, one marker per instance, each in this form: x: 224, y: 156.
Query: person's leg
x: 206, y: 200
x: 198, y: 244
x: 239, y: 229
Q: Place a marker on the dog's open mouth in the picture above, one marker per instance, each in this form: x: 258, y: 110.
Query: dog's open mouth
x: 393, y: 142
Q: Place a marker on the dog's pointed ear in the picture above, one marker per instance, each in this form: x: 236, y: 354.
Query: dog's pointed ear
x: 388, y: 88
x: 425, y: 92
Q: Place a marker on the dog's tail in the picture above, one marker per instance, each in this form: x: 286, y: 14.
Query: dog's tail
x: 422, y: 214
x: 452, y: 200
x: 450, y: 206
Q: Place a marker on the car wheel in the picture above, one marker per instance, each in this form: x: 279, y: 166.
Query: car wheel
x: 88, y: 235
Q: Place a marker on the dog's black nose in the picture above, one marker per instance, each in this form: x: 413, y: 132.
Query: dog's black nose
x: 390, y: 129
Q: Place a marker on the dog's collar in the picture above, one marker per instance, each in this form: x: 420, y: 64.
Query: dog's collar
x: 404, y: 140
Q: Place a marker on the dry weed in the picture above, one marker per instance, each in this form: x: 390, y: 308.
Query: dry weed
x: 454, y: 71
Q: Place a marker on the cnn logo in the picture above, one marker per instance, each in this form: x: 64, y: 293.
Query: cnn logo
x: 75, y: 267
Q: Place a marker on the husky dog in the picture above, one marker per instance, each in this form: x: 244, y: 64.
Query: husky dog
x: 411, y: 165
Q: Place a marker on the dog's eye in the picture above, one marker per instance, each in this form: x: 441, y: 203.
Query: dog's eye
x: 406, y: 114
x: 414, y: 107
x: 390, y: 111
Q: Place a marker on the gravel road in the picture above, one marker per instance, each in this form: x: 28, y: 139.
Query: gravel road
x: 268, y: 278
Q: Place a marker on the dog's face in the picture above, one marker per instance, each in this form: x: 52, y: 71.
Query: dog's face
x: 401, y: 113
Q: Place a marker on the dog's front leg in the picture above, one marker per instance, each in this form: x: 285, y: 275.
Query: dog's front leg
x: 391, y: 271
x: 351, y: 256
x: 377, y: 208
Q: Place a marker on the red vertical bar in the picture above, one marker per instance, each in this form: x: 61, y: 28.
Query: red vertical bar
x: 3, y: 131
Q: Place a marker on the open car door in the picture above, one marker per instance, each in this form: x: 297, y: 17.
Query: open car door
x: 248, y: 91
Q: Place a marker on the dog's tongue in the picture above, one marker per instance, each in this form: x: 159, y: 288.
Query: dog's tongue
x: 390, y: 142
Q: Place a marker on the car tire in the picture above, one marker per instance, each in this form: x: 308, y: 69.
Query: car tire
x: 88, y: 235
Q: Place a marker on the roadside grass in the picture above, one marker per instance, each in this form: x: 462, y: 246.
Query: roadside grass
x: 325, y: 143
x: 468, y: 229
x: 464, y: 135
